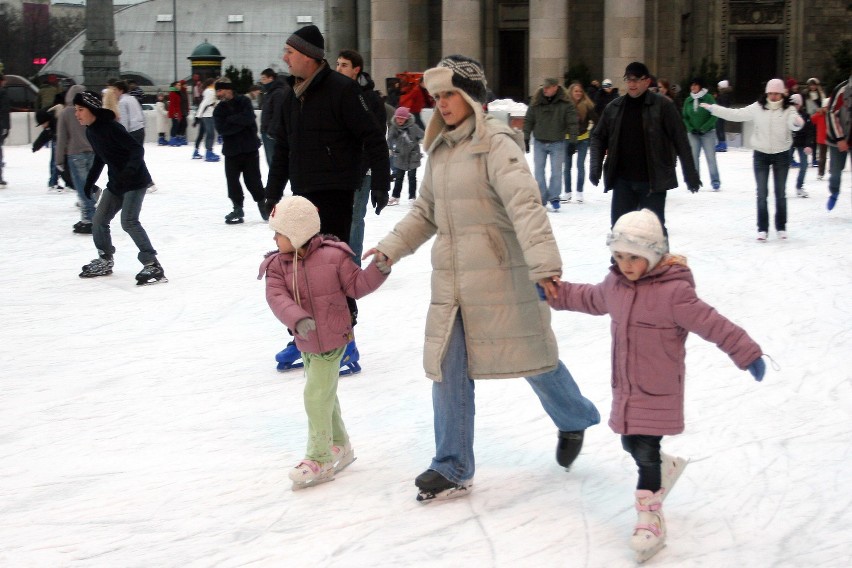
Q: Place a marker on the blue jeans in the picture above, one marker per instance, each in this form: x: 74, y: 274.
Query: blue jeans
x: 130, y: 205
x: 359, y: 211
x: 803, y: 159
x: 454, y: 407
x: 780, y: 164
x: 837, y: 161
x: 54, y: 173
x: 208, y: 132
x: 630, y: 196
x: 706, y: 142
x: 78, y: 166
x: 556, y: 150
x: 582, y: 148
x: 268, y: 147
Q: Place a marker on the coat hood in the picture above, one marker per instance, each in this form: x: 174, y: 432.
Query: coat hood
x: 72, y: 92
x: 365, y: 81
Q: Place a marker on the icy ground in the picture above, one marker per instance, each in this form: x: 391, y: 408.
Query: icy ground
x: 148, y: 427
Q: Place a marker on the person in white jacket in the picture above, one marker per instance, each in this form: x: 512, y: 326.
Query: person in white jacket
x: 775, y: 119
x: 204, y: 115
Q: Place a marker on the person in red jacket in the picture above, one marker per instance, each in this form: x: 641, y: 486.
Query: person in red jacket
x: 412, y: 98
x: 307, y: 282
x: 176, y: 115
x: 650, y: 296
x: 818, y: 120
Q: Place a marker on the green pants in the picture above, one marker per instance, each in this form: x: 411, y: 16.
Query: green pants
x: 325, y: 424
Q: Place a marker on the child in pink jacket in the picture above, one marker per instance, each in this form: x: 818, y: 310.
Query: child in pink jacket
x: 650, y: 296
x: 307, y: 282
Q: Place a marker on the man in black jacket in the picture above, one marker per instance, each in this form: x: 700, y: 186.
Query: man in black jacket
x: 640, y: 134
x: 235, y: 121
x: 351, y: 64
x: 271, y: 107
x: 326, y: 127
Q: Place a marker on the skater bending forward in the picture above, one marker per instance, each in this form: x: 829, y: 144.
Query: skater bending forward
x: 124, y: 158
x: 307, y: 282
x: 493, y: 242
x: 650, y: 297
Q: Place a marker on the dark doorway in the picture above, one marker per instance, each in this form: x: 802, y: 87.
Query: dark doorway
x: 757, y: 62
x: 513, y: 65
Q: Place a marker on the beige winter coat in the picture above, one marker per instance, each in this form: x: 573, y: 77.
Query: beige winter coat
x: 493, y: 242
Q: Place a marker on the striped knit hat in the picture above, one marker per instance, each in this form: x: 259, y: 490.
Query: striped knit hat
x: 92, y: 101
x: 309, y: 41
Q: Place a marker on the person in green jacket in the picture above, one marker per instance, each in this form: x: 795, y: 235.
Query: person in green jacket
x: 550, y: 117
x: 701, y: 128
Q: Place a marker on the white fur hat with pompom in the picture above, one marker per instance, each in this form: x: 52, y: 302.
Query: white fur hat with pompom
x: 296, y: 218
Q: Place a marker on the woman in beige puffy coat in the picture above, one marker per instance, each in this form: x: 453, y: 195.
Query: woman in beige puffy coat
x: 493, y: 242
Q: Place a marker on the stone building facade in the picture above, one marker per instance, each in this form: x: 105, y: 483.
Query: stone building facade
x: 522, y: 41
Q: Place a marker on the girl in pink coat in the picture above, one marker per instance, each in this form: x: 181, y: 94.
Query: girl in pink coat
x: 650, y: 296
x: 307, y: 282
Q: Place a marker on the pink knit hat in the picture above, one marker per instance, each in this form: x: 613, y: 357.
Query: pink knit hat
x: 402, y: 112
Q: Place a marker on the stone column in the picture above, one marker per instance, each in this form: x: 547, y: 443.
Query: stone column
x: 390, y: 39
x: 548, y: 41
x: 100, y: 52
x: 624, y: 37
x: 341, y: 28
x: 365, y: 40
x: 461, y: 28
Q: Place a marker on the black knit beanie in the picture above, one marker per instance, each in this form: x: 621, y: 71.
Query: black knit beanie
x: 467, y: 76
x: 92, y: 101
x: 308, y: 40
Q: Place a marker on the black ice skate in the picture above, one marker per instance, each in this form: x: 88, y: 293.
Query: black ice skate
x: 101, y: 266
x: 151, y: 273
x: 235, y: 217
x: 435, y: 487
x: 568, y: 448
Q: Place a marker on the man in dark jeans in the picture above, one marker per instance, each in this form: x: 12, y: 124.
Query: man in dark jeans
x: 235, y: 121
x: 639, y: 134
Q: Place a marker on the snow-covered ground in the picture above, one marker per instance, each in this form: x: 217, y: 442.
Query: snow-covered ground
x: 148, y: 427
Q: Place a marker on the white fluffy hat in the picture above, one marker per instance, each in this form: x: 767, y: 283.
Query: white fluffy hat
x: 296, y: 218
x: 639, y: 233
x: 723, y: 84
x: 775, y: 86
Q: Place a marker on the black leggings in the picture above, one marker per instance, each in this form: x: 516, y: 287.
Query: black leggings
x: 646, y: 453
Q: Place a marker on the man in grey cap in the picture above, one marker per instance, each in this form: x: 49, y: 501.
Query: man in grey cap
x: 550, y: 117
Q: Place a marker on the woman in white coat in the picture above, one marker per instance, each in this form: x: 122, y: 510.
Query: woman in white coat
x: 775, y: 119
x: 493, y: 244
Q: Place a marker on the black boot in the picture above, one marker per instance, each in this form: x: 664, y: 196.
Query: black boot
x: 431, y: 480
x: 570, y: 444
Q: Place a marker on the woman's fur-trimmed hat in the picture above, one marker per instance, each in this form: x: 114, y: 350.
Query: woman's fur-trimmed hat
x: 457, y: 72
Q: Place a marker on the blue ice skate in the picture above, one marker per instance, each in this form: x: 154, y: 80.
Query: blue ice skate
x: 289, y: 358
x: 349, y: 364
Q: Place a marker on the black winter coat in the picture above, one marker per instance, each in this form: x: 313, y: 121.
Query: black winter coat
x: 236, y: 122
x: 327, y: 130
x: 665, y: 139
x: 123, y: 156
x: 272, y: 107
x: 377, y: 109
x: 806, y: 137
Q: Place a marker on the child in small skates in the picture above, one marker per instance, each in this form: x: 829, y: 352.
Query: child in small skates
x: 307, y: 282
x: 404, y: 138
x: 650, y: 296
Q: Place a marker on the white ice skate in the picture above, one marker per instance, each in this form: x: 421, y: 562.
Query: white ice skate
x: 649, y: 534
x: 310, y: 473
x: 671, y: 468
x: 343, y: 457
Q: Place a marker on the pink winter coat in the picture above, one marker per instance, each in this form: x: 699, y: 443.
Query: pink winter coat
x: 325, y: 276
x: 650, y: 321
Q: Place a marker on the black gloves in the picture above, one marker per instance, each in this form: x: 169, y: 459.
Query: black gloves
x: 527, y: 146
x: 88, y: 191
x: 572, y: 148
x: 195, y: 122
x: 693, y: 183
x: 595, y: 176
x: 379, y: 199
